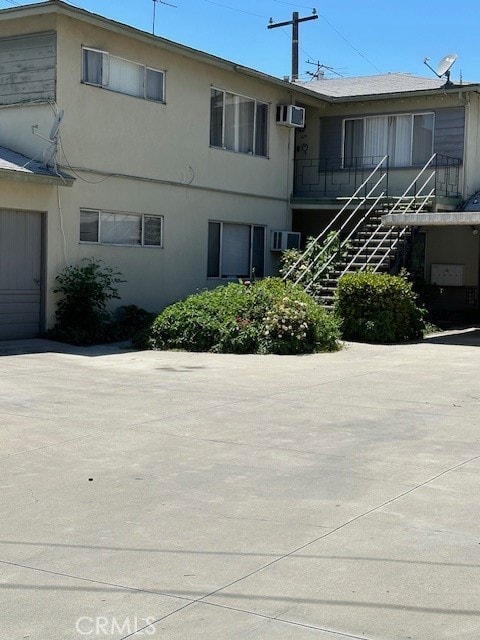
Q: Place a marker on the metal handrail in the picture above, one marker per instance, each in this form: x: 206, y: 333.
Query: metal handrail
x: 352, y: 214
x: 401, y: 200
x: 345, y: 241
x: 399, y: 236
x: 332, y: 222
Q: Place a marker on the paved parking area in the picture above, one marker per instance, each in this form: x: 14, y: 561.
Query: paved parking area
x: 197, y: 496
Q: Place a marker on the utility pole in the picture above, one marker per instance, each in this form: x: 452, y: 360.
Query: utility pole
x: 295, y: 21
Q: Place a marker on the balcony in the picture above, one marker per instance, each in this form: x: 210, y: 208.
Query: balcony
x: 330, y: 179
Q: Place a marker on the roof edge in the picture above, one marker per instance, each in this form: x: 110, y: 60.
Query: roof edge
x: 22, y: 176
x: 63, y: 8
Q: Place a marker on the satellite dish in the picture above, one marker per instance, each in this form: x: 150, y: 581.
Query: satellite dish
x: 444, y: 66
x: 57, y: 122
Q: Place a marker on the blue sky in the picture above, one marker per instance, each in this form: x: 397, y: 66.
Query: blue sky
x: 352, y: 37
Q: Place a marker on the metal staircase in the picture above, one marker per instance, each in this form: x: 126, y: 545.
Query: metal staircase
x: 363, y: 241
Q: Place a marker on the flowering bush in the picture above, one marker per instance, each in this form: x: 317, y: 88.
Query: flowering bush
x: 286, y: 325
x: 267, y: 316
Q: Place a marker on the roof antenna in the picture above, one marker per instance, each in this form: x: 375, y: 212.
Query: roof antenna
x: 319, y: 74
x: 168, y: 4
x: 444, y: 67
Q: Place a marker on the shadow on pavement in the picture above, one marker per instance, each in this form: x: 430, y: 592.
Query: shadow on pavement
x: 38, y: 345
x: 465, y: 337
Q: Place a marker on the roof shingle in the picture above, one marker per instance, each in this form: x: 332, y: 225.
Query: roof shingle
x: 386, y: 83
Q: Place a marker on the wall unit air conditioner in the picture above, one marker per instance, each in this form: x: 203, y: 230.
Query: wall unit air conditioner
x: 282, y: 240
x: 290, y: 115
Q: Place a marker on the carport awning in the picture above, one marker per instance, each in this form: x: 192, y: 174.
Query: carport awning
x: 15, y: 166
x: 445, y: 219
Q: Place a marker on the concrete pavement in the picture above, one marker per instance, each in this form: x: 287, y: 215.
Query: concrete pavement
x: 197, y: 496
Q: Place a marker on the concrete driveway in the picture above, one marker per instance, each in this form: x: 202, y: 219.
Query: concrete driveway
x: 196, y: 496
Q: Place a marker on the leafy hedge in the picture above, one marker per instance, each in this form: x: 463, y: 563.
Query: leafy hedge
x: 377, y: 307
x: 81, y: 315
x: 268, y: 316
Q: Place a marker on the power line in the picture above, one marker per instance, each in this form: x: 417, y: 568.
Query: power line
x: 226, y: 6
x: 292, y: 4
x: 303, y: 6
x: 348, y: 42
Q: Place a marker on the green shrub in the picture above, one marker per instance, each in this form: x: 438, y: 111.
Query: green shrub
x: 304, y: 265
x: 81, y: 315
x: 377, y: 307
x: 268, y: 316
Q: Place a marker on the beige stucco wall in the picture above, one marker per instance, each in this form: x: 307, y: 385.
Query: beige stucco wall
x: 155, y: 276
x: 124, y: 134
x: 161, y: 147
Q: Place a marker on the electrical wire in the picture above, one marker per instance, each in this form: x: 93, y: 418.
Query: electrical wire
x: 226, y: 6
x: 291, y: 4
x: 349, y: 43
x: 303, y: 6
x: 77, y: 175
x: 62, y: 228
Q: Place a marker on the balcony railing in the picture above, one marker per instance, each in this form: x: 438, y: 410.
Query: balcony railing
x: 334, y: 178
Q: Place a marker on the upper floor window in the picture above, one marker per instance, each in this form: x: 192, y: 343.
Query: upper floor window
x: 123, y: 76
x: 406, y: 139
x: 238, y: 123
x: 113, y: 227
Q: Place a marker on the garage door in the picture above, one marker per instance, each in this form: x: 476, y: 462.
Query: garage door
x: 20, y: 274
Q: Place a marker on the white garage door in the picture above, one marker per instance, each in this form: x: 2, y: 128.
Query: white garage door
x: 20, y: 274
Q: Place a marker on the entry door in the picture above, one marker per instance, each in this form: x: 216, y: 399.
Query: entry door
x: 20, y: 274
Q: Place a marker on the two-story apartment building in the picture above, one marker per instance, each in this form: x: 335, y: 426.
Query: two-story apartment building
x: 169, y: 163
x: 174, y: 170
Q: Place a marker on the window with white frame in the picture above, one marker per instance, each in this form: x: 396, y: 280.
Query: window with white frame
x: 101, y: 69
x: 113, y: 227
x: 407, y: 139
x: 238, y: 123
x: 235, y: 250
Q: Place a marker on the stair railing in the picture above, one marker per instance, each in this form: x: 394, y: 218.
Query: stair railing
x: 326, y: 246
x: 324, y: 232
x: 345, y: 241
x: 401, y: 233
x: 412, y: 200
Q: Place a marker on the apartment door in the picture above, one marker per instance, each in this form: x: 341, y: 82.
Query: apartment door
x: 20, y: 274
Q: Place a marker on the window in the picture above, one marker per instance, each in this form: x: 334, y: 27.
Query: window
x: 406, y: 139
x: 122, y: 76
x: 110, y: 227
x: 235, y: 250
x: 238, y: 123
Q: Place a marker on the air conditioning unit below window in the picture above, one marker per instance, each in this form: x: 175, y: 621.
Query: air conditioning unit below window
x: 290, y: 115
x: 282, y: 240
